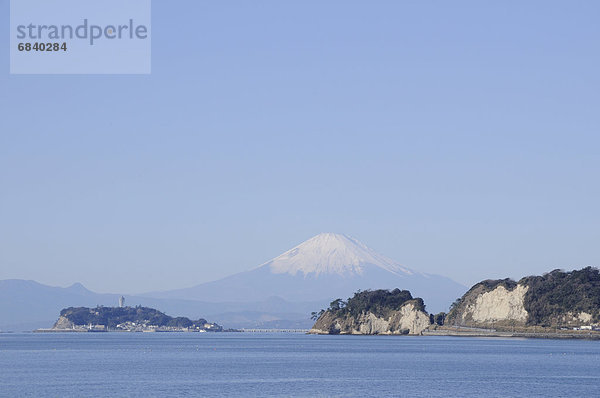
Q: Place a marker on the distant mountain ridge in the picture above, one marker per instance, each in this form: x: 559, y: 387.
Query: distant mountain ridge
x: 280, y: 293
x: 26, y: 305
x: 323, y: 268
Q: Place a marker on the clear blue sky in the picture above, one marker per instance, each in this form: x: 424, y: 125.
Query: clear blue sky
x: 459, y: 138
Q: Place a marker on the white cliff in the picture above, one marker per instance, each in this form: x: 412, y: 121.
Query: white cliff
x: 406, y: 320
x: 499, y: 304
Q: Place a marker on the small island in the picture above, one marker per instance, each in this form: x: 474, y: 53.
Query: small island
x: 126, y: 319
x: 374, y: 312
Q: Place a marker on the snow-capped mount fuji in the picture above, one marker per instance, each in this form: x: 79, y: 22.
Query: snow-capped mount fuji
x: 332, y: 254
x: 323, y: 268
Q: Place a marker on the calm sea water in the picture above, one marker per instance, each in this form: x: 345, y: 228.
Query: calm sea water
x: 278, y: 364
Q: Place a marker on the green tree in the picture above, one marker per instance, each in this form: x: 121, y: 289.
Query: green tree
x: 440, y: 318
x: 316, y: 315
x: 337, y: 305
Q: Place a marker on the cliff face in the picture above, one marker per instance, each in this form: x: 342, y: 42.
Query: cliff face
x: 499, y: 304
x: 565, y: 298
x: 367, y: 317
x: 63, y: 323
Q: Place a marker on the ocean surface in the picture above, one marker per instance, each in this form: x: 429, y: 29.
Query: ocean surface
x: 288, y: 364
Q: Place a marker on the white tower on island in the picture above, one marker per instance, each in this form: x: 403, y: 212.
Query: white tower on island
x: 121, y: 301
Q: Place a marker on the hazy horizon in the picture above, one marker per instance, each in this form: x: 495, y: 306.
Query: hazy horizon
x: 459, y: 139
x: 192, y: 284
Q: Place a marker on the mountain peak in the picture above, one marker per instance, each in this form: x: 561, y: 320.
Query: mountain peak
x: 78, y: 288
x: 332, y: 253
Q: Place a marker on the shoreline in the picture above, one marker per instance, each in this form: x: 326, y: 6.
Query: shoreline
x: 520, y: 335
x: 481, y: 333
x: 127, y: 331
x: 425, y: 333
